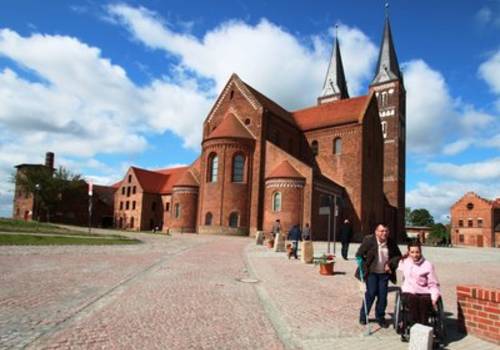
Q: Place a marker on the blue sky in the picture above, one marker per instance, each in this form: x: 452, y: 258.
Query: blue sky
x: 106, y: 85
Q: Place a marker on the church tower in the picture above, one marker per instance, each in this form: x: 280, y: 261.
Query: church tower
x: 391, y: 95
x: 334, y: 87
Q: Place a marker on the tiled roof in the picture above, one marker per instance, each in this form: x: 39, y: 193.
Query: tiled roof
x: 230, y: 127
x: 331, y: 113
x: 285, y: 170
x: 158, y: 181
x: 187, y: 180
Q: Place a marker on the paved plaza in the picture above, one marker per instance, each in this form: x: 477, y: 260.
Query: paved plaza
x: 203, y: 292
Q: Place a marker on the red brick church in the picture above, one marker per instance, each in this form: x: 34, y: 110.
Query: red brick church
x: 341, y: 158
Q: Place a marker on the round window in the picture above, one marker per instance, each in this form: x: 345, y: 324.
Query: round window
x: 247, y: 121
x: 470, y: 206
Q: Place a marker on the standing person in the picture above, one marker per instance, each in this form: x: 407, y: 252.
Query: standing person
x: 276, y: 228
x: 345, y: 237
x: 380, y: 256
x: 295, y: 236
x: 306, y: 233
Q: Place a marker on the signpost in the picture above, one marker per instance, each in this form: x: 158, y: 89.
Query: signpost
x: 91, y: 186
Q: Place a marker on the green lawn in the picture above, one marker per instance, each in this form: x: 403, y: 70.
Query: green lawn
x: 24, y: 239
x: 9, y: 225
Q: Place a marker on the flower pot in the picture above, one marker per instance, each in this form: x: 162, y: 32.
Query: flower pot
x: 326, y: 269
x: 270, y: 243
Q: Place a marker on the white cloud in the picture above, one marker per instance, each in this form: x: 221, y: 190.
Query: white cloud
x: 287, y: 69
x: 489, y: 71
x: 487, y: 16
x: 438, y: 198
x: 485, y: 170
x: 429, y: 107
x: 457, y: 147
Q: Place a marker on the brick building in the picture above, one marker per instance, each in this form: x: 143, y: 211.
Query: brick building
x: 475, y: 221
x: 260, y: 162
x: 72, y: 208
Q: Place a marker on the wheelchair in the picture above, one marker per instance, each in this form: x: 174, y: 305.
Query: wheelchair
x: 436, y: 321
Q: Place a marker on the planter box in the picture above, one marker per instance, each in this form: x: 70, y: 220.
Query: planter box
x: 326, y: 269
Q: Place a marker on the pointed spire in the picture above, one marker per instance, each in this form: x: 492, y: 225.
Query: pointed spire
x: 335, y: 87
x: 387, y: 66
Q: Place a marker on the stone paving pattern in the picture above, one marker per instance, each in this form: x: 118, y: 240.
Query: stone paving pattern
x: 185, y: 292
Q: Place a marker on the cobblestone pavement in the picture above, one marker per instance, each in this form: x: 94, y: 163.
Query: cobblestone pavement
x: 188, y: 292
x: 321, y: 312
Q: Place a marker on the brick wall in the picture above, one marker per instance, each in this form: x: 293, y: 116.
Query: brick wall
x: 479, y: 311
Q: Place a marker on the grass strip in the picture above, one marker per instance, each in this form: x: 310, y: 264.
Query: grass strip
x: 13, y: 239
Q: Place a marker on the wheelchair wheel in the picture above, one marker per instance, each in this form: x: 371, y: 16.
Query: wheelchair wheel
x: 438, y: 324
x: 397, y: 313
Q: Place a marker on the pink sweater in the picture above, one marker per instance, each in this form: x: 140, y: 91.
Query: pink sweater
x: 419, y: 277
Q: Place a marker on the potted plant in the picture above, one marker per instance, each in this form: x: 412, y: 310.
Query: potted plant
x: 270, y: 243
x: 326, y: 263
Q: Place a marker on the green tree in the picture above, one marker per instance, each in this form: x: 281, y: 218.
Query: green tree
x: 421, y: 217
x: 439, y: 234
x: 48, y: 186
x: 407, y: 216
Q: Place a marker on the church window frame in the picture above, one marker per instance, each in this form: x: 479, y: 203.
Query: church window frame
x: 315, y: 147
x: 213, y: 167
x: 384, y: 129
x: 384, y: 99
x: 337, y: 146
x: 238, y: 168
x: 208, y: 219
x: 276, y: 202
x: 234, y: 219
x: 177, y: 210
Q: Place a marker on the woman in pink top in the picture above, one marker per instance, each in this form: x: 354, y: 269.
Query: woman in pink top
x: 420, y: 289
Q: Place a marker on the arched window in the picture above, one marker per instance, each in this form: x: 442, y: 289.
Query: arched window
x: 277, y: 201
x: 233, y: 220
x: 337, y: 146
x: 208, y: 219
x: 177, y: 210
x: 238, y: 168
x: 213, y: 167
x: 314, y: 147
x: 384, y: 99
x: 384, y: 129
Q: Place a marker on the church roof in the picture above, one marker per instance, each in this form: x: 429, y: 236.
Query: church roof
x: 332, y: 113
x: 335, y: 83
x: 387, y: 66
x: 285, y: 170
x: 187, y: 180
x: 158, y: 181
x: 230, y: 127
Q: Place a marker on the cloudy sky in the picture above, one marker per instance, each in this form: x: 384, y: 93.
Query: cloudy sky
x: 106, y: 85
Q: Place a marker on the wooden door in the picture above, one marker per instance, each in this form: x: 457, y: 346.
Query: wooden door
x: 479, y: 240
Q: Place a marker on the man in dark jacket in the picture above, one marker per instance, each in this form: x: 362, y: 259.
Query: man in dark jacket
x: 295, y: 236
x: 380, y: 256
x: 345, y: 237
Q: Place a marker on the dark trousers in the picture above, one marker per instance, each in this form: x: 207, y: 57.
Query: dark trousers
x: 345, y: 249
x: 295, y: 247
x: 376, y: 286
x: 418, y: 307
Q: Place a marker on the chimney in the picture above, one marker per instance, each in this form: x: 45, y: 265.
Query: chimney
x: 49, y: 160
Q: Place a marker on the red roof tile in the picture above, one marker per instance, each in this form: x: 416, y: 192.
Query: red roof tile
x: 285, y: 170
x: 158, y: 181
x: 332, y: 113
x: 187, y: 179
x: 270, y: 105
x: 230, y: 127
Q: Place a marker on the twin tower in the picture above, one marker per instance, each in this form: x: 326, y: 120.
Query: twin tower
x: 389, y: 89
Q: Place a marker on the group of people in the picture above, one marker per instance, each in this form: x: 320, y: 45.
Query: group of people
x: 379, y: 258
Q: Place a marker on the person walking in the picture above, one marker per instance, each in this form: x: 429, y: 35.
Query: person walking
x: 276, y: 228
x: 345, y: 237
x: 295, y: 236
x: 306, y: 233
x: 380, y: 256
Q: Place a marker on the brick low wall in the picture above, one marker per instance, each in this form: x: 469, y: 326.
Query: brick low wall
x: 479, y: 311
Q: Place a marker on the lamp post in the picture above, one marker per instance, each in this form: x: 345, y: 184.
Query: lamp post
x: 90, y: 204
x: 36, y: 205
